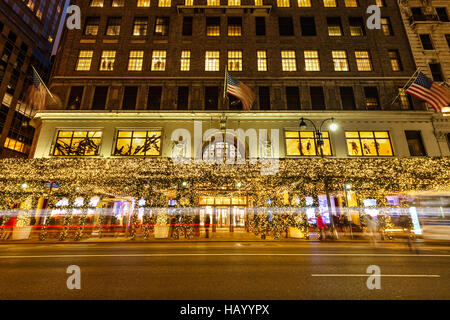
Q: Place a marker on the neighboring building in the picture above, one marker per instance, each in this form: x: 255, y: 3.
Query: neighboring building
x: 138, y: 70
x: 27, y: 32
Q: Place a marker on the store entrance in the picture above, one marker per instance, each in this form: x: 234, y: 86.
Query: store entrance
x: 227, y: 214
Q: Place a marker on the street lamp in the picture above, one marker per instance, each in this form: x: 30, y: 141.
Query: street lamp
x: 333, y: 127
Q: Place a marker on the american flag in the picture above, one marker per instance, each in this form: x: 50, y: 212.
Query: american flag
x: 425, y: 89
x: 240, y: 91
x: 37, y: 92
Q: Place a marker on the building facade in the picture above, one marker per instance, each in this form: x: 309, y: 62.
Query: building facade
x: 28, y: 29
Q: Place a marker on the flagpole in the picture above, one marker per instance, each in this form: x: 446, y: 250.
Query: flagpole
x: 42, y: 81
x: 225, y: 83
x: 409, y: 81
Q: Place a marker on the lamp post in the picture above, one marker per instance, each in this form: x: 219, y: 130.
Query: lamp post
x: 333, y: 126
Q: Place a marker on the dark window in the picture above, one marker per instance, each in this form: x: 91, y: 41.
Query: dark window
x: 308, y: 26
x: 415, y: 143
x: 113, y: 26
x: 292, y: 98
x: 317, y: 98
x: 162, y: 26
x: 427, y: 44
x: 442, y: 14
x: 1, y: 26
x: 286, y: 26
x: 187, y: 26
x: 447, y: 37
x: 264, y: 98
x: 183, y: 98
x: 99, y: 101
x: 418, y: 14
x: 235, y: 103
x: 356, y: 26
x: 75, y: 96
x: 260, y: 25
x: 372, y: 99
x: 211, y: 98
x: 347, y: 98
x: 12, y: 36
x: 154, y: 98
x: 436, y: 71
x: 129, y: 98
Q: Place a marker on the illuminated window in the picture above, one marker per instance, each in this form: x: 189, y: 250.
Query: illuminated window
x: 386, y: 27
x: 16, y: 145
x: 136, y: 60
x: 188, y: 2
x: 84, y: 60
x: 213, y: 3
x: 351, y: 3
x: 143, y: 3
x: 234, y: 60
x: 108, y: 59
x: 113, y: 26
x: 283, y: 3
x: 117, y: 3
x: 185, y: 60
x: 395, y: 60
x: 159, y: 60
x: 213, y: 26
x: 140, y: 26
x: 363, y: 61
x: 162, y: 26
x: 138, y: 143
x: 94, y: 3
x: 262, y: 60
x: 259, y: 2
x: 77, y: 143
x: 304, y: 3
x: 372, y: 98
x: 31, y: 3
x: 212, y: 60
x: 288, y: 62
x: 404, y: 99
x: 356, y: 26
x: 334, y: 27
x: 164, y: 3
x: 312, y: 62
x: 234, y: 2
x: 380, y: 3
x: 329, y: 3
x: 304, y: 143
x: 369, y: 143
x: 234, y: 26
x: 340, y: 60
x: 91, y: 27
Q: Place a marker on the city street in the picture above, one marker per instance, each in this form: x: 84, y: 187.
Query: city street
x: 226, y: 270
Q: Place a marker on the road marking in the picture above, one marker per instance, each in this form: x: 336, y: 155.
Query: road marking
x: 221, y: 254
x: 381, y: 275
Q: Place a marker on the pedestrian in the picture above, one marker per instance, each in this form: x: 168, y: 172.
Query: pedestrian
x: 320, y: 227
x: 8, y: 227
x: 372, y: 227
x: 207, y: 224
x: 197, y: 225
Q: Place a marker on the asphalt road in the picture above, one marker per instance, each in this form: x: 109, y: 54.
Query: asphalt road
x: 245, y: 270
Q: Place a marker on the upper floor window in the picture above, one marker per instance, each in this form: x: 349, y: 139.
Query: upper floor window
x: 380, y: 3
x: 113, y: 26
x: 329, y: 3
x: 396, y: 64
x: 262, y: 60
x: 188, y: 3
x: 234, y: 26
x: 372, y: 98
x: 427, y: 44
x: 164, y: 3
x: 312, y: 62
x: 91, y: 26
x: 334, y: 26
x: 356, y: 26
x: 185, y: 64
x: 136, y: 60
x: 288, y: 61
x: 415, y: 143
x: 234, y: 60
x: 162, y: 26
x: 340, y: 60
x: 159, y: 60
x: 77, y: 143
x: 140, y: 26
x: 308, y: 26
x: 234, y: 2
x: 212, y: 60
x: 283, y: 3
x: 286, y: 26
x: 107, y: 61
x: 363, y: 61
x: 442, y: 14
x: 138, y: 143
x: 213, y: 26
x: 143, y: 3
x: 305, y: 143
x: 386, y: 26
x: 213, y: 3
x: 96, y: 3
x: 117, y: 3
x: 84, y: 60
x: 259, y: 2
x: 436, y: 71
x: 404, y: 99
x: 368, y: 143
x: 351, y: 3
x: 304, y: 3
